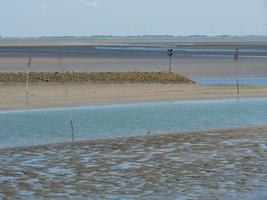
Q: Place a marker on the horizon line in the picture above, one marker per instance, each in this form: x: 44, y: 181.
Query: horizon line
x: 132, y: 36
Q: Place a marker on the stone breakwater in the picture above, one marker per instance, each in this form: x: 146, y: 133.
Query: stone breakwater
x: 96, y: 77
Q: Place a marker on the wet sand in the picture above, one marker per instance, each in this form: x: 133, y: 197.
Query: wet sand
x: 53, y: 95
x: 192, y: 57
x: 193, y: 67
x: 216, y: 164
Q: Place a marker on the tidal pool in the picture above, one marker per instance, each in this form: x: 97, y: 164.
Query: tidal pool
x: 247, y: 81
x: 42, y: 126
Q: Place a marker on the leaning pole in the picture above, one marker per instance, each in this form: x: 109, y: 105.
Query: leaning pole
x: 237, y: 57
x: 60, y: 65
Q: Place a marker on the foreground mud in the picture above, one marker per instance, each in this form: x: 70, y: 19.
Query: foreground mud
x: 221, y: 164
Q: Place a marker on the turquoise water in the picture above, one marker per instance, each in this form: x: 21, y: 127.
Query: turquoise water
x: 250, y: 81
x: 20, y: 128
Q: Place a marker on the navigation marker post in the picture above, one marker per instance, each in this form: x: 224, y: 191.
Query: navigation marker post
x: 170, y: 54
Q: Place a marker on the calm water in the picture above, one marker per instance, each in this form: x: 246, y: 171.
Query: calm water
x: 253, y: 81
x: 19, y: 128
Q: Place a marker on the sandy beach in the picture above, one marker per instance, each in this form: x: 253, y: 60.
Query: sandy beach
x: 53, y: 95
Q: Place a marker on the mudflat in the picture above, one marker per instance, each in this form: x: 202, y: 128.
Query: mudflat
x: 215, y: 164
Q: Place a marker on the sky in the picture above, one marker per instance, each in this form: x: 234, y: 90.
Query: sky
x: 32, y: 18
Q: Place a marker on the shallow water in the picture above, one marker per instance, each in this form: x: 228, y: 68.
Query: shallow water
x: 248, y: 81
x: 23, y: 128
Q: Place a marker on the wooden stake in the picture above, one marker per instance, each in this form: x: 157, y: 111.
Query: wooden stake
x: 237, y: 77
x: 237, y: 70
x: 27, y: 81
x: 67, y: 99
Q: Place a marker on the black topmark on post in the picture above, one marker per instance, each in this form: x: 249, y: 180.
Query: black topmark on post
x: 170, y: 53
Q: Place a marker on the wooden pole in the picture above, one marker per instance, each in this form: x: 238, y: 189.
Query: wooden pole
x: 67, y: 100
x: 237, y: 77
x: 170, y: 63
x: 27, y: 81
x: 237, y: 71
x: 170, y: 53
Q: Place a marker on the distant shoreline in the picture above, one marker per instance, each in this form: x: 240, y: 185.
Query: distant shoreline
x: 133, y: 40
x: 134, y: 37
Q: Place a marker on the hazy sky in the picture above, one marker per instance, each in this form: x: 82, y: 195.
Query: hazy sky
x: 27, y: 18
